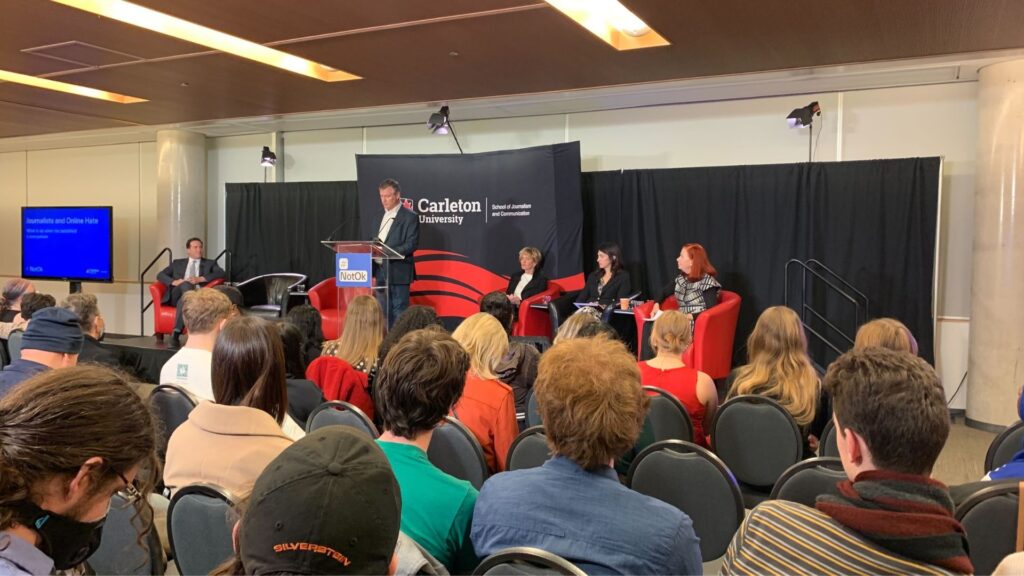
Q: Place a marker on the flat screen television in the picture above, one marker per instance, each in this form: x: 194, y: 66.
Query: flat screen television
x: 74, y: 243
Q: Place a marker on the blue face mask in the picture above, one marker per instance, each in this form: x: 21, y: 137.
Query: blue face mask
x: 67, y: 541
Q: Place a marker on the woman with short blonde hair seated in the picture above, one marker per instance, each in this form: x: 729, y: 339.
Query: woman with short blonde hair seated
x: 487, y: 405
x: 778, y: 368
x: 671, y: 336
x: 360, y: 337
x: 571, y: 327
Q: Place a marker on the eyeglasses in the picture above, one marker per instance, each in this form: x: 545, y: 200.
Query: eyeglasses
x: 129, y: 495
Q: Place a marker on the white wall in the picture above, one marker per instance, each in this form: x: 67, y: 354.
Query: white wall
x: 936, y: 120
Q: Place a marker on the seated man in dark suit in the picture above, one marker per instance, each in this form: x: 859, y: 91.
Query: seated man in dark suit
x: 186, y: 274
x: 87, y: 309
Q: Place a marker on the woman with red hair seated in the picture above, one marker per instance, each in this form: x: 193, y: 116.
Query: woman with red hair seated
x: 696, y: 288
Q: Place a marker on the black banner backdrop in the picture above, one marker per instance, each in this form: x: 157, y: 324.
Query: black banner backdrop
x: 873, y: 222
x: 476, y: 211
x: 277, y: 227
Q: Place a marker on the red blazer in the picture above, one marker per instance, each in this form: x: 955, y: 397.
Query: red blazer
x: 340, y: 381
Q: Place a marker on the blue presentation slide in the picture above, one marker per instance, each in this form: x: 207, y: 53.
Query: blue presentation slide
x: 67, y: 243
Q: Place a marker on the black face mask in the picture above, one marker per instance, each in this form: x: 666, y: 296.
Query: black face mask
x: 68, y: 542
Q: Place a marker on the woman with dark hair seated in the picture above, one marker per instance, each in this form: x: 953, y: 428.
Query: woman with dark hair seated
x: 610, y: 281
x: 228, y: 442
x: 696, y: 288
x: 528, y: 281
x: 303, y: 395
x: 308, y: 320
x: 413, y: 318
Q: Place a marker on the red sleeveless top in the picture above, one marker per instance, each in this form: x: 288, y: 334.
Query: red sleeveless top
x: 682, y: 383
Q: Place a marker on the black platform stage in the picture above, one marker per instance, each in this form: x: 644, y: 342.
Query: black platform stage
x: 142, y: 356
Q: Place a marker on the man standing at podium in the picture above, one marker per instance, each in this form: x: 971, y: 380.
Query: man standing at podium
x: 400, y: 230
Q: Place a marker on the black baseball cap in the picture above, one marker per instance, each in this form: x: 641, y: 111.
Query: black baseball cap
x: 328, y: 504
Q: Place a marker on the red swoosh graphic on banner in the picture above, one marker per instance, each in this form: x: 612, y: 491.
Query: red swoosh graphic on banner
x: 452, y: 298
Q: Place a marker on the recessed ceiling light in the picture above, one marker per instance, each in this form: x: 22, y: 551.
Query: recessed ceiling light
x: 48, y: 84
x: 612, y: 22
x: 182, y: 29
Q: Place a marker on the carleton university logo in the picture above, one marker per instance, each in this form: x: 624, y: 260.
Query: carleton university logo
x: 407, y: 203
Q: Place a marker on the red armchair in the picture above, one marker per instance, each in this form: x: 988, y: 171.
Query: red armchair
x: 532, y: 321
x: 332, y: 304
x: 163, y: 314
x: 713, y: 333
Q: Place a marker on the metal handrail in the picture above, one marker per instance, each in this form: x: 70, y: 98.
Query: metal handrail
x: 227, y: 267
x: 832, y: 280
x: 142, y: 287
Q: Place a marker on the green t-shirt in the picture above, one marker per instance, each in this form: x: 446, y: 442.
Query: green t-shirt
x: 437, y: 509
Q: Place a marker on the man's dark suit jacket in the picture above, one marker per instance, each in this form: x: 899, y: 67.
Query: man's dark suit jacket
x: 536, y: 285
x: 207, y: 269
x: 404, y: 238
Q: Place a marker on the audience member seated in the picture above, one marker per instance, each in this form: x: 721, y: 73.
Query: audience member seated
x: 52, y: 340
x: 69, y: 441
x: 360, y: 337
x: 487, y: 406
x: 670, y: 337
x: 229, y: 441
x: 696, y: 288
x: 589, y: 396
x: 336, y: 466
x: 308, y: 321
x: 32, y: 302
x: 890, y: 517
x: 530, y: 280
x: 303, y: 395
x: 887, y: 333
x: 778, y: 368
x: 610, y: 281
x: 234, y: 296
x: 419, y: 382
x: 571, y: 327
x: 1015, y: 467
x: 518, y: 368
x: 85, y: 307
x: 414, y: 317
x: 205, y: 311
x: 596, y: 329
x: 10, y: 305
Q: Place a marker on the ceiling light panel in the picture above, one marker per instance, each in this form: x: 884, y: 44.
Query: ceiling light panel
x: 184, y: 30
x: 7, y: 76
x: 612, y: 22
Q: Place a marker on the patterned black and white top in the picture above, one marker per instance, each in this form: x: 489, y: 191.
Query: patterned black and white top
x: 696, y: 297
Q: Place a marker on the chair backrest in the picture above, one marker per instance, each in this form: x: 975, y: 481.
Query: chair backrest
x: 121, y: 551
x: 828, y: 443
x: 455, y: 450
x: 338, y: 413
x: 804, y: 481
x: 14, y: 345
x: 157, y: 291
x: 324, y: 295
x: 695, y: 481
x: 713, y: 336
x: 528, y: 450
x: 269, y: 289
x: 526, y: 561
x: 668, y: 416
x: 756, y: 438
x: 989, y: 517
x: 1003, y: 447
x: 200, y: 519
x: 532, y: 411
x: 172, y: 405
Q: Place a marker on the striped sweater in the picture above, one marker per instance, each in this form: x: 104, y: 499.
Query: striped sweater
x: 780, y: 537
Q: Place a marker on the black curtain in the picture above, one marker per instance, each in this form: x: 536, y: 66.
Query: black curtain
x: 873, y: 222
x: 277, y: 227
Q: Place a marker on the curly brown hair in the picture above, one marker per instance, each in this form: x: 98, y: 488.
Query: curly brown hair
x: 589, y: 396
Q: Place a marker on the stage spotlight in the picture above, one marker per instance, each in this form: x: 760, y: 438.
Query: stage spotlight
x: 438, y: 122
x: 803, y: 116
x: 268, y: 159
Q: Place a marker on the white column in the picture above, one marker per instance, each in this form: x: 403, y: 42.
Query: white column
x: 180, y: 188
x: 996, y: 361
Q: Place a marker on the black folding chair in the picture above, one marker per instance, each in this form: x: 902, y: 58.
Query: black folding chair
x: 989, y: 518
x: 804, y: 481
x: 339, y: 413
x: 172, y: 405
x: 668, y: 416
x: 1005, y: 446
x: 828, y: 445
x: 200, y: 520
x: 526, y: 561
x: 528, y: 450
x: 455, y: 450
